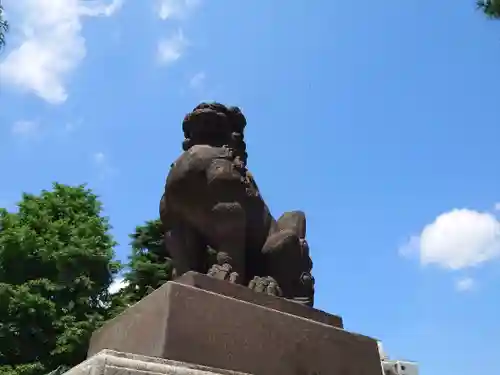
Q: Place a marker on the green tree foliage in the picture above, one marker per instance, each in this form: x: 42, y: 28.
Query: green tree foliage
x: 149, y: 266
x: 55, y: 269
x: 490, y: 7
x: 4, y: 27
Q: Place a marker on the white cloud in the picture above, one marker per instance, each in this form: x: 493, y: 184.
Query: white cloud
x: 196, y: 82
x: 465, y: 285
x: 51, y: 45
x: 497, y: 206
x: 457, y: 239
x: 410, y: 247
x: 168, y: 9
x: 101, y: 9
x: 171, y: 48
x: 25, y: 128
x: 117, y: 285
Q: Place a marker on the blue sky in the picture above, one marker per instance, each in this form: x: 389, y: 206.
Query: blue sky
x: 378, y: 119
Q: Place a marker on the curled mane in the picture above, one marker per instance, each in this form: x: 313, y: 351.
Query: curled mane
x: 216, y: 125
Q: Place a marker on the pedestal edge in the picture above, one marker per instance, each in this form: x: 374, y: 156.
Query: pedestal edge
x: 242, y: 293
x: 101, y: 361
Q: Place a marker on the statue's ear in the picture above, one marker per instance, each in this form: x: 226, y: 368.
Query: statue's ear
x: 295, y: 221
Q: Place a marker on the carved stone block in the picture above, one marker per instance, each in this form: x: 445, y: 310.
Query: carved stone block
x: 230, y: 327
x: 108, y: 362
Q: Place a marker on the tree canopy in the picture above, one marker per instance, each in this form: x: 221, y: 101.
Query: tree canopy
x: 4, y: 27
x: 149, y: 266
x: 56, y: 265
x: 490, y: 7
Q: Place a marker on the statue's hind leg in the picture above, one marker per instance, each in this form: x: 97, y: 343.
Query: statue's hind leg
x: 287, y: 258
x: 294, y: 221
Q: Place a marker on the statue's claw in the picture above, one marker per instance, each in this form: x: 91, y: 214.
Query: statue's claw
x: 265, y: 285
x: 224, y: 272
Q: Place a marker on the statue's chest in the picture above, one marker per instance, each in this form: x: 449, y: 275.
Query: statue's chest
x: 221, y: 170
x: 232, y: 174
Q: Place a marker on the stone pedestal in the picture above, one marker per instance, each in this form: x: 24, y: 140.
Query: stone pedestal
x: 197, y: 319
x: 108, y: 362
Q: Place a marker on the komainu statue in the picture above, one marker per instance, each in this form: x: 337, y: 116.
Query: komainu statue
x: 212, y: 204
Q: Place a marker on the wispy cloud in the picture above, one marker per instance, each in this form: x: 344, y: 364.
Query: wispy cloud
x: 99, y: 158
x: 201, y: 88
x: 103, y: 165
x: 170, y: 49
x: 25, y: 129
x: 197, y: 81
x: 175, y: 9
x: 51, y: 44
x: 101, y: 9
x: 497, y: 206
x: 71, y: 126
x: 465, y: 285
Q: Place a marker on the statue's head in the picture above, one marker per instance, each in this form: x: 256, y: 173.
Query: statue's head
x: 216, y: 125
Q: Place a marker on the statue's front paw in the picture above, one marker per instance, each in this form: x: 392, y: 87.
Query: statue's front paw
x: 265, y: 285
x: 224, y: 272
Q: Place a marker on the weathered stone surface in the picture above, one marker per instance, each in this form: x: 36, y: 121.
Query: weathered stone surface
x: 211, y: 202
x: 245, y: 294
x: 184, y: 323
x: 109, y: 362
